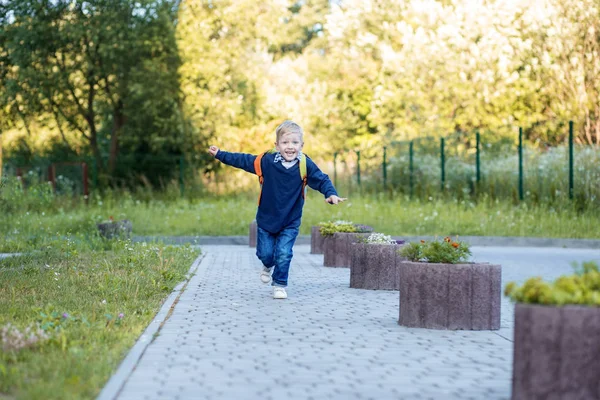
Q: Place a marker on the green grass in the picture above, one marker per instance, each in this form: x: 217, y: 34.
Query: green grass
x: 91, y: 285
x: 403, y: 217
x: 231, y: 215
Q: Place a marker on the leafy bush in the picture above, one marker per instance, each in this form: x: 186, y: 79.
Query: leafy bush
x: 14, y: 197
x: 583, y: 288
x: 445, y: 251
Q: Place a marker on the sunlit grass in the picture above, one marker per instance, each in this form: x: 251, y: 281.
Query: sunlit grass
x: 231, y: 215
x: 99, y: 298
x: 438, y: 217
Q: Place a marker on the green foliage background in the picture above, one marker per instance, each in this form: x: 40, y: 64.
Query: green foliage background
x: 121, y: 80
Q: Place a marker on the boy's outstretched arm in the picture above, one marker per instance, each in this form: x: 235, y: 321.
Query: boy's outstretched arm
x: 333, y: 199
x: 213, y: 150
x: 239, y: 160
x: 321, y: 182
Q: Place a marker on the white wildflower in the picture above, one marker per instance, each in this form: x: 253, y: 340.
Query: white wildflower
x: 12, y: 339
x: 380, y: 238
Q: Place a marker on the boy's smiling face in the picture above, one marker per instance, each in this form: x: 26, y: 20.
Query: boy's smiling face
x: 289, y: 145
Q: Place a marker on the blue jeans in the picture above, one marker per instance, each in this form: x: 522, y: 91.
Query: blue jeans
x: 275, y: 249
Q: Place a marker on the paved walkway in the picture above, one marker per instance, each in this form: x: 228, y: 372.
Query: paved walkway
x: 225, y: 337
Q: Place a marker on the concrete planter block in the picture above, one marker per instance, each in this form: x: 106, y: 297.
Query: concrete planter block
x: 375, y: 266
x: 450, y: 296
x: 337, y: 249
x: 252, y: 232
x: 556, y: 352
x: 115, y: 229
x: 317, y: 241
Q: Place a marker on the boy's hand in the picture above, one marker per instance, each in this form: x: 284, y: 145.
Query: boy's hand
x: 213, y: 150
x: 333, y: 199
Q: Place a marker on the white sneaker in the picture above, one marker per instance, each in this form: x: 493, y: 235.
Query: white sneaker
x: 279, y: 292
x: 265, y: 275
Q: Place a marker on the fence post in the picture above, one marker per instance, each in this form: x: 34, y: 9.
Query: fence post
x: 410, y: 167
x: 442, y: 164
x: 358, y: 168
x: 477, y: 159
x: 571, y: 160
x: 384, y: 167
x: 181, y: 186
x: 52, y: 176
x: 334, y: 170
x: 520, y: 163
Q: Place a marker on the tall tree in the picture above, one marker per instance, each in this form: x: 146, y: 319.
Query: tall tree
x: 565, y: 54
x: 79, y: 61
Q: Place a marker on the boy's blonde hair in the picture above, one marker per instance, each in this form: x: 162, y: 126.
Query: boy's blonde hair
x: 288, y: 126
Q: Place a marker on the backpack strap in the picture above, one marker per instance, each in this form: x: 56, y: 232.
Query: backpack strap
x: 258, y: 168
x: 303, y: 175
x: 258, y: 172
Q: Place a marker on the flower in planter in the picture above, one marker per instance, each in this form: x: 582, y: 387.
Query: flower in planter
x: 582, y: 287
x: 330, y: 227
x: 446, y: 251
x: 378, y: 238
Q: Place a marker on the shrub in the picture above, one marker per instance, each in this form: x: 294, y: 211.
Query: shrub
x: 14, y: 197
x: 583, y: 288
x: 445, y: 251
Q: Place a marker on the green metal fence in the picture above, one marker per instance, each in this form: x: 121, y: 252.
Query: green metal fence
x: 498, y: 165
x: 474, y: 164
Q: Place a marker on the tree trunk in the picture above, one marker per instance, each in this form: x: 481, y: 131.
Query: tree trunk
x: 96, y: 151
x: 118, y: 122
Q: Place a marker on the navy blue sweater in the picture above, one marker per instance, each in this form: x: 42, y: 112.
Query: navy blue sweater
x: 281, y: 201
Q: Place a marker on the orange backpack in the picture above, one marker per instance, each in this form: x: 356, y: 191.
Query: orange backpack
x: 258, y: 171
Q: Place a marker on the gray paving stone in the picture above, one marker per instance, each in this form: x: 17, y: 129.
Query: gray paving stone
x: 228, y: 339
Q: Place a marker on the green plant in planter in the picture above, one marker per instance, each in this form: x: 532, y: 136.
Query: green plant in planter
x: 330, y: 227
x: 583, y: 288
x: 445, y: 251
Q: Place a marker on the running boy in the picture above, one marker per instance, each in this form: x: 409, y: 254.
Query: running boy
x: 281, y: 200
